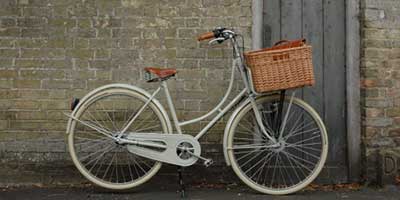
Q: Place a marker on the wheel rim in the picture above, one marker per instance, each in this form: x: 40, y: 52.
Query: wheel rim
x: 100, y: 158
x: 284, y: 168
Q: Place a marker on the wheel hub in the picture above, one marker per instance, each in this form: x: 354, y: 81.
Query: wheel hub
x: 279, y: 147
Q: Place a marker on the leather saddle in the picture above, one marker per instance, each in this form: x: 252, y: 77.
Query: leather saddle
x: 154, y: 74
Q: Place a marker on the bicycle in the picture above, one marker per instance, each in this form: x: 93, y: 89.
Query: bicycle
x: 119, y: 134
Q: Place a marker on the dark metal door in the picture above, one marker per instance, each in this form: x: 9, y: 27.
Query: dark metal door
x: 322, y: 23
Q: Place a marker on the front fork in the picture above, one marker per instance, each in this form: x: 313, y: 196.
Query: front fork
x: 278, y: 123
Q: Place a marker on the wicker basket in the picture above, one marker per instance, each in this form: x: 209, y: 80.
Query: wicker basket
x: 281, y: 67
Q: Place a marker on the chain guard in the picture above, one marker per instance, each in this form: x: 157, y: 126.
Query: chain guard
x: 171, y: 154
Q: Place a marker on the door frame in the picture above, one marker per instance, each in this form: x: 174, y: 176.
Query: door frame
x: 353, y: 112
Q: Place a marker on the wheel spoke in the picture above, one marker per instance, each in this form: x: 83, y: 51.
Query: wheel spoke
x: 296, y: 159
x: 91, y: 117
x: 298, y: 128
x: 280, y: 169
x: 108, y: 116
x: 148, y: 128
x: 92, y: 154
x: 252, y: 158
x: 293, y: 167
x: 316, y: 129
x: 306, y: 146
x: 265, y: 162
x: 307, y: 153
x: 260, y: 168
x: 103, y: 141
x: 140, y: 126
x: 108, y: 149
x: 98, y: 158
x: 129, y: 166
x: 109, y: 166
x: 273, y: 172
x: 250, y: 146
x: 311, y: 138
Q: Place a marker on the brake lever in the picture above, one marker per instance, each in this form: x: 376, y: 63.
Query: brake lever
x: 219, y: 40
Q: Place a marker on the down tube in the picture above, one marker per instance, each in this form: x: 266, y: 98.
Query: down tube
x: 221, y: 113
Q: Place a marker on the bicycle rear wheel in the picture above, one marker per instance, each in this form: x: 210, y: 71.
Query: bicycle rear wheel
x: 284, y: 168
x: 98, y: 157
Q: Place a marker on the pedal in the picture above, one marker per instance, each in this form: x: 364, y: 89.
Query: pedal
x: 208, y: 162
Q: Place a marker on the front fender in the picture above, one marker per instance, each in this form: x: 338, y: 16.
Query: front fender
x: 118, y: 85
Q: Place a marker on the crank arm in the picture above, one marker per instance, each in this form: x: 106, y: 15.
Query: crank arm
x: 207, y: 161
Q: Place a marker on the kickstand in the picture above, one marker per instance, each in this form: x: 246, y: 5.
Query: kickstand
x: 181, y: 183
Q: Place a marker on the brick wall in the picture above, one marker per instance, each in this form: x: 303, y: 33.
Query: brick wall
x: 52, y: 50
x: 380, y: 71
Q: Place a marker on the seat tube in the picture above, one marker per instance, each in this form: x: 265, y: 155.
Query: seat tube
x: 171, y: 107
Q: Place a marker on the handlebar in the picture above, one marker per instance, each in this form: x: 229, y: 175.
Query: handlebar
x: 206, y: 36
x: 220, y: 33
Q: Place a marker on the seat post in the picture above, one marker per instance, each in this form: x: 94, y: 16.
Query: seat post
x: 171, y: 106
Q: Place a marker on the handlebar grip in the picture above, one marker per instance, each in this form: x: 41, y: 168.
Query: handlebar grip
x: 206, y: 36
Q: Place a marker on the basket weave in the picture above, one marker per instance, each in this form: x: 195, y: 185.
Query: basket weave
x: 281, y: 68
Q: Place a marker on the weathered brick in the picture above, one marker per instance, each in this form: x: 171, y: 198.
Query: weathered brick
x: 81, y: 43
x: 124, y: 32
x: 57, y: 84
x: 80, y: 53
x: 9, y: 11
x: 102, y: 54
x: 8, y: 22
x: 59, y: 43
x: 8, y: 74
x: 193, y: 53
x: 54, y: 105
x: 84, y: 23
x: 27, y: 83
x: 25, y: 105
x: 9, y: 53
x: 83, y: 33
x: 62, y: 22
x: 41, y: 74
x: 100, y: 64
x: 31, y: 22
x: 102, y: 43
x: 6, y: 83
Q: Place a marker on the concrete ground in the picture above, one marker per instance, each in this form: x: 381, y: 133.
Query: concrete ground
x: 230, y: 193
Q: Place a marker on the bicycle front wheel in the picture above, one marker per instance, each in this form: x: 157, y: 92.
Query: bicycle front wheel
x: 281, y: 168
x: 99, y: 157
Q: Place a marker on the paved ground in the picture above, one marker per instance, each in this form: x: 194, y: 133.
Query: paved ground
x: 88, y: 193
